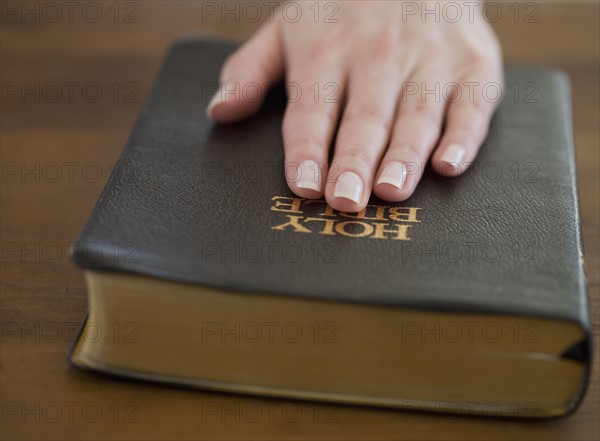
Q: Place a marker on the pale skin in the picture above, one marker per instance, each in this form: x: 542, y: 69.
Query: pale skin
x: 373, y: 69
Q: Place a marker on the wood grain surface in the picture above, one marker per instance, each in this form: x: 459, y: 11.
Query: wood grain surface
x: 57, y: 152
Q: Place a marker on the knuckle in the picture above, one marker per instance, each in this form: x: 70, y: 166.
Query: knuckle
x: 479, y: 107
x: 386, y: 46
x: 420, y: 110
x: 481, y: 62
x: 359, y: 154
x: 420, y: 107
x: 474, y: 109
x: 326, y: 48
x: 306, y: 144
x: 408, y: 150
x: 306, y: 109
x: 461, y: 131
x: 373, y: 114
x: 436, y: 47
x: 465, y: 131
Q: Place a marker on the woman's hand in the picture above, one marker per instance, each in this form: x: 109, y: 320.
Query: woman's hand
x: 401, y: 85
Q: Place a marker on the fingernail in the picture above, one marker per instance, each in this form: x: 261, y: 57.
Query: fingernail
x: 349, y: 186
x: 394, y: 173
x: 453, y: 155
x: 309, y: 175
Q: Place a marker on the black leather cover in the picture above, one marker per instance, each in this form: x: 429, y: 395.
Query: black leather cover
x: 190, y: 201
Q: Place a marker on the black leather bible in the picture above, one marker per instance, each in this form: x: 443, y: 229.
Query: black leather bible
x: 204, y: 270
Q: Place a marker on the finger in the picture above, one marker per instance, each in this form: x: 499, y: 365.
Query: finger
x: 416, y: 132
x: 246, y: 76
x: 363, y: 134
x: 315, y: 90
x: 467, y: 121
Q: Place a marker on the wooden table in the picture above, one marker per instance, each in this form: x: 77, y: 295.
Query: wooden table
x: 57, y: 153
